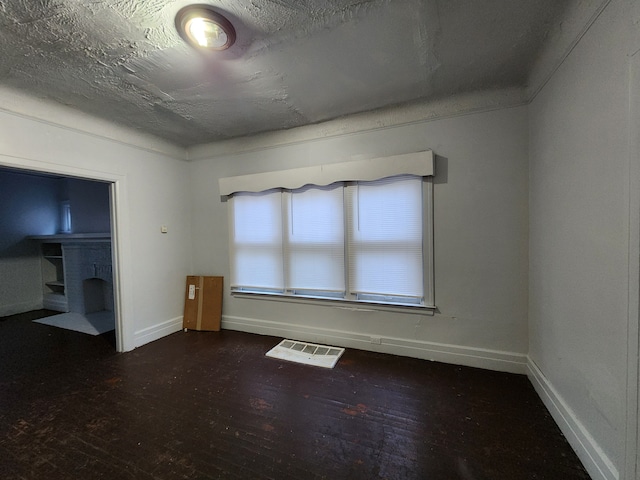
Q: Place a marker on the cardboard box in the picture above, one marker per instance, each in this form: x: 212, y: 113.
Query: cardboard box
x: 203, y: 303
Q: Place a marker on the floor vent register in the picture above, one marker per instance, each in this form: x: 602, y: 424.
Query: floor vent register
x: 306, y: 353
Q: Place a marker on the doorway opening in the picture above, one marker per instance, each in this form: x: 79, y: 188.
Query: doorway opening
x: 57, y: 246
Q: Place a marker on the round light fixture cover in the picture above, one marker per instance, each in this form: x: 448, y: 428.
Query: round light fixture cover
x: 204, y: 28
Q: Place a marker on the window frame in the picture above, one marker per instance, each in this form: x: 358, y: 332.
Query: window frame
x: 419, y: 164
x: 352, y: 250
x: 428, y: 302
x: 66, y: 220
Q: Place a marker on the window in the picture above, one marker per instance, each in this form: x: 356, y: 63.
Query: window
x: 256, y: 254
x: 385, y: 240
x: 65, y: 216
x: 360, y: 241
x: 314, y: 241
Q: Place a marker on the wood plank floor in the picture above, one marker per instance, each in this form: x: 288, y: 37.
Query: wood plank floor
x: 203, y: 405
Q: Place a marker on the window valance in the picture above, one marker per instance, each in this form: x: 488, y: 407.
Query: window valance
x: 418, y: 163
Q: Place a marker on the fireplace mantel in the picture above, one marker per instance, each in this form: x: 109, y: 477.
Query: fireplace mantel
x: 73, y: 237
x: 77, y: 273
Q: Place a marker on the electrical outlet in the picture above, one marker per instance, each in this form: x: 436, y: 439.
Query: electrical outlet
x: 376, y: 340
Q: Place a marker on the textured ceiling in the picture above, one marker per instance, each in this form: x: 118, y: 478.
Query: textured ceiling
x: 294, y: 62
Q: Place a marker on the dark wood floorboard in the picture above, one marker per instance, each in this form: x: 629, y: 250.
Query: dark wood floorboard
x: 210, y: 405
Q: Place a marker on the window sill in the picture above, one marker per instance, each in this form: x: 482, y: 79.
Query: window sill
x: 359, y: 306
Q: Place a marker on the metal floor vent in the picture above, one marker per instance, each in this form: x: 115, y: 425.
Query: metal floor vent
x: 307, y: 353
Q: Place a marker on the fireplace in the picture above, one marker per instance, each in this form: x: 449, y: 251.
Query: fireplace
x: 98, y: 295
x: 88, y: 276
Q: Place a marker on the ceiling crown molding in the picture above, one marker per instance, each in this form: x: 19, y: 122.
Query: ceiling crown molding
x: 18, y: 103
x: 417, y: 112
x: 562, y: 39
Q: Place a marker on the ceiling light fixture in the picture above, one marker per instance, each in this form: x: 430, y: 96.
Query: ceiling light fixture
x: 204, y: 28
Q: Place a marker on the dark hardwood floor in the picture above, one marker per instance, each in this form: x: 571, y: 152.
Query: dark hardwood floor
x: 202, y: 405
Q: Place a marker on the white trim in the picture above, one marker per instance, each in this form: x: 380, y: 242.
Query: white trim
x: 419, y: 163
x: 22, y: 105
x: 596, y: 462
x: 562, y: 42
x: 631, y: 467
x: 341, y: 303
x: 459, y: 355
x: 122, y: 302
x: 428, y: 242
x: 156, y: 332
x: 415, y: 113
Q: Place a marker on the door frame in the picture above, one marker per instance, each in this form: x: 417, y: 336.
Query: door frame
x: 631, y: 468
x: 120, y: 250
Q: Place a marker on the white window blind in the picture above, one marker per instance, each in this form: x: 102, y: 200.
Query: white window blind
x: 385, y: 237
x: 257, y: 260
x: 314, y: 243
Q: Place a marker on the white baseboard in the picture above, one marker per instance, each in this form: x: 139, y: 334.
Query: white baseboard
x: 473, y: 357
x: 6, y: 310
x: 593, y: 458
x: 157, y: 331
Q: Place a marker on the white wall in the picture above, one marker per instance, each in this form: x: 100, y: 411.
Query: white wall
x: 89, y: 205
x: 28, y: 206
x: 152, y: 190
x: 579, y: 242
x: 480, y: 241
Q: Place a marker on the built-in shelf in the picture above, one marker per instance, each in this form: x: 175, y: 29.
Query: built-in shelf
x: 53, y: 276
